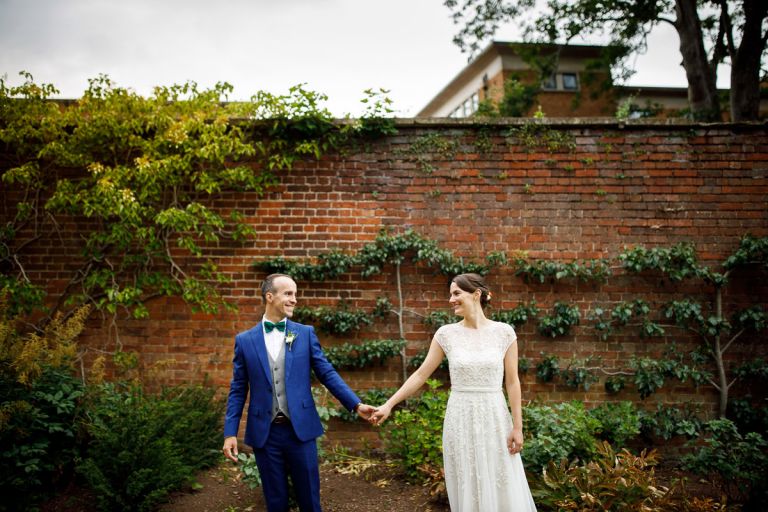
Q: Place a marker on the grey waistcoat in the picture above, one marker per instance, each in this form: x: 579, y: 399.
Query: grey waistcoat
x: 277, y: 368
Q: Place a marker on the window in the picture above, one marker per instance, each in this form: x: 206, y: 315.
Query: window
x: 561, y: 82
x: 570, y: 81
x: 549, y: 83
x: 467, y: 107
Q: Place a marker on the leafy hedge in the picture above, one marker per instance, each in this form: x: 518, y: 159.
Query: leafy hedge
x: 38, y: 436
x: 40, y: 406
x: 142, y: 446
x: 130, y: 446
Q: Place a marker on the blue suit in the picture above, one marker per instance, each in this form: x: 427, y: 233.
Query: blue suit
x: 289, y: 445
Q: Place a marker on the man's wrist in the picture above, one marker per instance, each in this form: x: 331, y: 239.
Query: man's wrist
x: 357, y: 406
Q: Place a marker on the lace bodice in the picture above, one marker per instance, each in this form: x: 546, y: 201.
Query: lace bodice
x: 476, y: 356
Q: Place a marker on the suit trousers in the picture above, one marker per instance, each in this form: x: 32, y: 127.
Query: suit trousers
x: 285, y: 454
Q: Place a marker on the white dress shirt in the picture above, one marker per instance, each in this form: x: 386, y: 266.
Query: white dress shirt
x: 273, y: 339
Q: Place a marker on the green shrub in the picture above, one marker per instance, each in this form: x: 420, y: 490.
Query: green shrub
x: 749, y: 417
x: 143, y: 446
x: 414, y: 433
x: 40, y: 407
x: 557, y: 432
x: 736, y: 464
x: 37, y: 435
x: 610, y: 482
x: 193, y: 418
x: 619, y: 422
x: 668, y: 422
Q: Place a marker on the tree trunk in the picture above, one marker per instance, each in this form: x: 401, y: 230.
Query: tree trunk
x: 400, y: 312
x: 745, y: 64
x: 721, y: 377
x: 702, y: 88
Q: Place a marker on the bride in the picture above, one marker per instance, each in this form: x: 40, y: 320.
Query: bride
x: 481, y: 442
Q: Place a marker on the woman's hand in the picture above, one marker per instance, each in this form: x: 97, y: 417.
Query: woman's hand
x: 380, y: 415
x: 515, y: 441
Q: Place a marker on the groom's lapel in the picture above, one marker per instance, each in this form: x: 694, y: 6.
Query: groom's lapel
x: 261, y: 350
x: 289, y: 326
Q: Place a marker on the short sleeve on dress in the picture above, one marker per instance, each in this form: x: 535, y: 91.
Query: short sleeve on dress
x: 442, y: 339
x: 508, y: 338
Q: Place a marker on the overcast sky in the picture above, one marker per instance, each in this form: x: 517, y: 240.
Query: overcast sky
x: 337, y: 47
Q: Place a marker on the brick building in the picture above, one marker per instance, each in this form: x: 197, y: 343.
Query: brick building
x: 578, y: 87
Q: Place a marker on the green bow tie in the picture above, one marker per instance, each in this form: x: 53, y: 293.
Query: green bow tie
x: 269, y: 326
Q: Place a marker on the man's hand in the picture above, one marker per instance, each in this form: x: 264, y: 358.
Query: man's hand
x: 230, y: 448
x: 365, y: 411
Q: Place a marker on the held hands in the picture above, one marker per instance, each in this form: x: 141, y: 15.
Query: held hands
x: 515, y: 441
x: 380, y: 415
x: 230, y: 448
x: 365, y: 411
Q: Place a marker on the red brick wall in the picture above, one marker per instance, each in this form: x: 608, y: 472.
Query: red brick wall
x: 649, y: 184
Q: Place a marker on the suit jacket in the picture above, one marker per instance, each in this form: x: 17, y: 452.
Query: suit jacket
x: 251, y: 373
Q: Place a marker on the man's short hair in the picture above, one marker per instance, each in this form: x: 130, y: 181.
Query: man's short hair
x: 268, y: 285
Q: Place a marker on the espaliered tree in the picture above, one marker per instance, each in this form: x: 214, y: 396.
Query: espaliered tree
x: 717, y: 329
x: 138, y: 174
x: 386, y: 249
x: 677, y: 263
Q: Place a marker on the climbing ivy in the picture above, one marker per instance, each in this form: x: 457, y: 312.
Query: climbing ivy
x: 423, y: 149
x: 536, y: 134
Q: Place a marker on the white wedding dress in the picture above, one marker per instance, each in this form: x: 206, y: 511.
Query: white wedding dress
x: 480, y: 474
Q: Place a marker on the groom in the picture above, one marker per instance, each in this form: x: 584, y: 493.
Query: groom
x: 273, y: 360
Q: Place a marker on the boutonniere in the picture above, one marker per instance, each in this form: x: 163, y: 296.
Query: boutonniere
x: 289, y: 337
